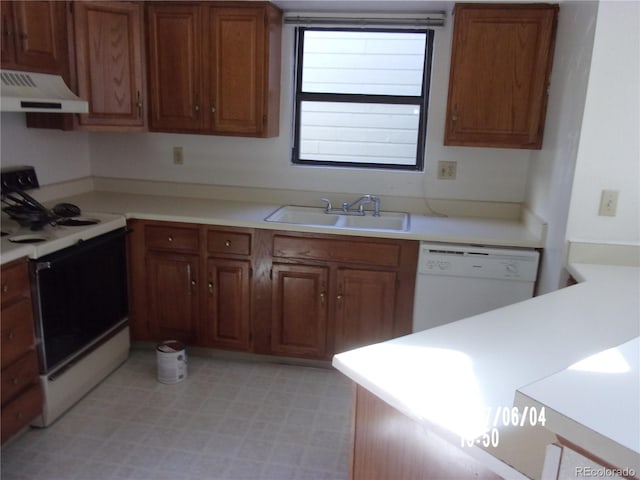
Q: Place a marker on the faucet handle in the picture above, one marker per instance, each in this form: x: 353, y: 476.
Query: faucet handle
x: 327, y: 207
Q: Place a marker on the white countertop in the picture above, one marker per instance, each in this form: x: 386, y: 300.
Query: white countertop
x: 607, y: 420
x: 451, y: 376
x: 249, y: 214
x: 478, y: 231
x: 595, y: 402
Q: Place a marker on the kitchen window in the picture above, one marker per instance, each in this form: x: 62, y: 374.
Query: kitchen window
x: 361, y: 97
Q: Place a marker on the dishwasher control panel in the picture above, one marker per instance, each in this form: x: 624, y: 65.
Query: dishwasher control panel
x: 478, y: 262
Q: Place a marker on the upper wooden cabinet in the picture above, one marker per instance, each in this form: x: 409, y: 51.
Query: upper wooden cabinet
x: 214, y: 68
x: 34, y: 36
x: 110, y: 64
x: 175, y: 69
x: 500, y: 65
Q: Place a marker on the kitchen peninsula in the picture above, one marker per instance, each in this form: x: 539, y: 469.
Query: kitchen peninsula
x: 454, y: 382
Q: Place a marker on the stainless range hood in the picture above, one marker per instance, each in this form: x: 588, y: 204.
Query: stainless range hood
x: 37, y: 92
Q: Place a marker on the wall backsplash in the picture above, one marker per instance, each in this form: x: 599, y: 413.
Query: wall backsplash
x: 483, y: 174
x: 57, y: 156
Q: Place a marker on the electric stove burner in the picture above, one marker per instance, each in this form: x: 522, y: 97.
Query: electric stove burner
x: 28, y: 239
x: 77, y: 221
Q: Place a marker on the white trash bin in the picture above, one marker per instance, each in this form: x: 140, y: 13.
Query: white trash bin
x: 172, y: 361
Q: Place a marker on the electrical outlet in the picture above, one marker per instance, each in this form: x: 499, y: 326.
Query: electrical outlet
x: 447, y: 170
x: 608, y: 203
x: 178, y: 158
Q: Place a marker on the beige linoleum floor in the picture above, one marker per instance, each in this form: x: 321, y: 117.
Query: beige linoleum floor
x: 231, y: 420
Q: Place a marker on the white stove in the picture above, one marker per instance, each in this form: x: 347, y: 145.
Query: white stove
x: 78, y: 273
x: 18, y: 241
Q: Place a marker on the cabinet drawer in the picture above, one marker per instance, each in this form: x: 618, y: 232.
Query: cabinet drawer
x: 172, y: 238
x: 219, y: 241
x: 19, y: 376
x: 15, y: 282
x: 16, y: 331
x: 21, y: 411
x: 324, y: 249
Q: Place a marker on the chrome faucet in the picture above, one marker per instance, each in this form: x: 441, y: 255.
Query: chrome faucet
x: 350, y: 208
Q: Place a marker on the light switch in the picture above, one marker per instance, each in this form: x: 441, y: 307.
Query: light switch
x: 178, y: 158
x: 608, y: 203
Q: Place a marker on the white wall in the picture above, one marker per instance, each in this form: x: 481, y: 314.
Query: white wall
x: 483, y: 174
x: 609, y: 150
x: 57, y: 156
x: 551, y: 171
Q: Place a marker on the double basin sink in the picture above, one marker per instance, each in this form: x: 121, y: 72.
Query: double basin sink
x: 318, y: 217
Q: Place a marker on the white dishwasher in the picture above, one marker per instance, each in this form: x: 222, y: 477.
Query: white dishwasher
x: 458, y: 281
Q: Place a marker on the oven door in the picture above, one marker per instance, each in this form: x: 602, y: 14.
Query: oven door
x: 80, y: 297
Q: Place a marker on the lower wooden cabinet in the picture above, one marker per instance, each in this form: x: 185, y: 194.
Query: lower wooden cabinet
x: 388, y: 444
x: 266, y: 291
x: 228, y: 312
x: 21, y: 391
x: 299, y: 310
x: 191, y: 283
x: 173, y: 295
x: 332, y: 293
x: 164, y: 283
x: 365, y: 307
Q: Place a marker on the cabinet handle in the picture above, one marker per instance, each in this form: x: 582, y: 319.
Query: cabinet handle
x: 339, y: 297
x: 196, y: 107
x: 139, y: 104
x: 193, y: 283
x: 323, y: 295
x: 5, y: 288
x: 211, y: 287
x: 213, y: 109
x: 169, y: 239
x: 227, y: 243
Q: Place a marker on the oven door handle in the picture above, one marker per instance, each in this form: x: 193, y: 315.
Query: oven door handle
x: 42, y: 266
x: 50, y: 261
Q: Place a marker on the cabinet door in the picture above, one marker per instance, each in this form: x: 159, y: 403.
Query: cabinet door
x: 172, y: 282
x: 365, y: 303
x: 228, y: 311
x: 237, y: 69
x: 110, y: 64
x: 40, y: 36
x: 299, y: 310
x: 8, y: 49
x: 500, y: 65
x: 175, y: 73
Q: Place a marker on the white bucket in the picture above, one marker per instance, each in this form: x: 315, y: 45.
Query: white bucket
x: 172, y: 361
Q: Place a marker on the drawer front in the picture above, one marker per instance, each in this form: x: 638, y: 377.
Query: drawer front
x: 367, y: 253
x: 172, y: 238
x: 15, y: 282
x: 19, y: 376
x: 219, y: 241
x: 17, y: 331
x: 21, y: 411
